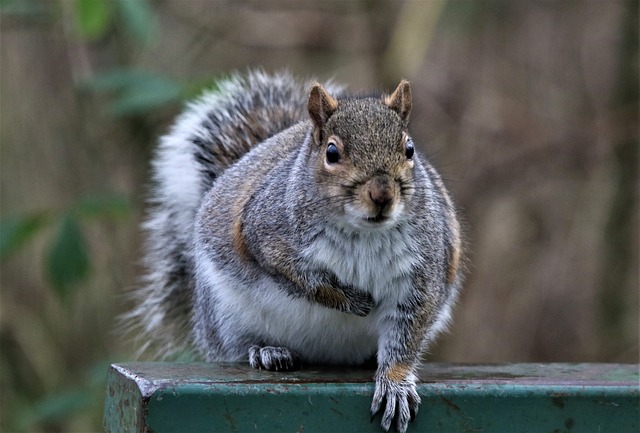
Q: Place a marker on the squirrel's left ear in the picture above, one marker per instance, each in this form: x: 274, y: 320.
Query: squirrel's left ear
x: 400, y: 101
x: 321, y: 105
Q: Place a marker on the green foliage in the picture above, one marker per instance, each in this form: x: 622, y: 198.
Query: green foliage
x: 18, y: 230
x: 70, y: 266
x: 43, y: 385
x: 67, y: 267
x: 103, y: 206
x: 58, y: 406
x: 138, y: 92
x: 93, y: 17
x: 138, y: 19
x: 68, y: 260
x: 55, y: 407
x: 135, y: 91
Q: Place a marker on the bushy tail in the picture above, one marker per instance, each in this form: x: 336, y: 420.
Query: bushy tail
x: 214, y: 132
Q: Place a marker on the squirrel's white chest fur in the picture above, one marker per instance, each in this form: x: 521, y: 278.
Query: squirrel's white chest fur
x: 376, y: 262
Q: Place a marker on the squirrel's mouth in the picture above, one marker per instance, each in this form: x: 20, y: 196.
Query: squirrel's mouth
x: 369, y: 218
x: 380, y: 218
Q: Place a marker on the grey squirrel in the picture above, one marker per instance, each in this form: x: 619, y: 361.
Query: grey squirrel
x: 291, y: 223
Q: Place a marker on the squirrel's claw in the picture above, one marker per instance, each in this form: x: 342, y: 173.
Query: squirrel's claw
x: 273, y: 358
x: 401, y: 402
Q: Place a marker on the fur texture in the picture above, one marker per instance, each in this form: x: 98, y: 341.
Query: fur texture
x: 293, y: 224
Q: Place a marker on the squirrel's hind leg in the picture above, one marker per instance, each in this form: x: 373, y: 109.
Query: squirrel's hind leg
x: 273, y: 358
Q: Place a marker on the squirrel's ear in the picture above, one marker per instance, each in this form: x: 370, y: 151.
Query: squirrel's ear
x: 400, y: 100
x: 321, y: 105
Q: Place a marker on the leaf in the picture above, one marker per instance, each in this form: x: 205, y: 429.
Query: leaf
x: 16, y: 231
x: 68, y: 262
x: 137, y: 91
x: 56, y: 407
x: 138, y: 18
x: 145, y: 98
x: 116, y: 79
x: 103, y: 206
x: 92, y: 17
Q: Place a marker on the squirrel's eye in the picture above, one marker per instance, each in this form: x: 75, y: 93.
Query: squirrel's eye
x: 333, y: 153
x: 408, y: 150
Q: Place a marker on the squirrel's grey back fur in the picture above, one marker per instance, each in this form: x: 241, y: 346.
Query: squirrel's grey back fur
x: 213, y: 133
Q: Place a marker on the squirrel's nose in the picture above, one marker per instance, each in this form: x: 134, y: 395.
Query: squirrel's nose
x: 381, y: 196
x: 381, y: 192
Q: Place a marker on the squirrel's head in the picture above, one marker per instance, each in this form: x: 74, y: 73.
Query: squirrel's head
x: 363, y: 154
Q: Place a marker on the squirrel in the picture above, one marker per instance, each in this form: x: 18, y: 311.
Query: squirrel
x: 292, y: 223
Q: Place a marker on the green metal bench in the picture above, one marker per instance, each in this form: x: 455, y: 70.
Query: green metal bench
x: 181, y: 397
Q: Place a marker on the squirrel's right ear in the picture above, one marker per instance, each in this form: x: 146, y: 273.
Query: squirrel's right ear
x: 321, y: 105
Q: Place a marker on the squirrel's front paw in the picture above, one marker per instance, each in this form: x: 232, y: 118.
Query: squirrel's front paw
x: 273, y: 358
x: 360, y: 303
x: 400, y: 401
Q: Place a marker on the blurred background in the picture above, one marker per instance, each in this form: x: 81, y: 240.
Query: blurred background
x: 529, y: 109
